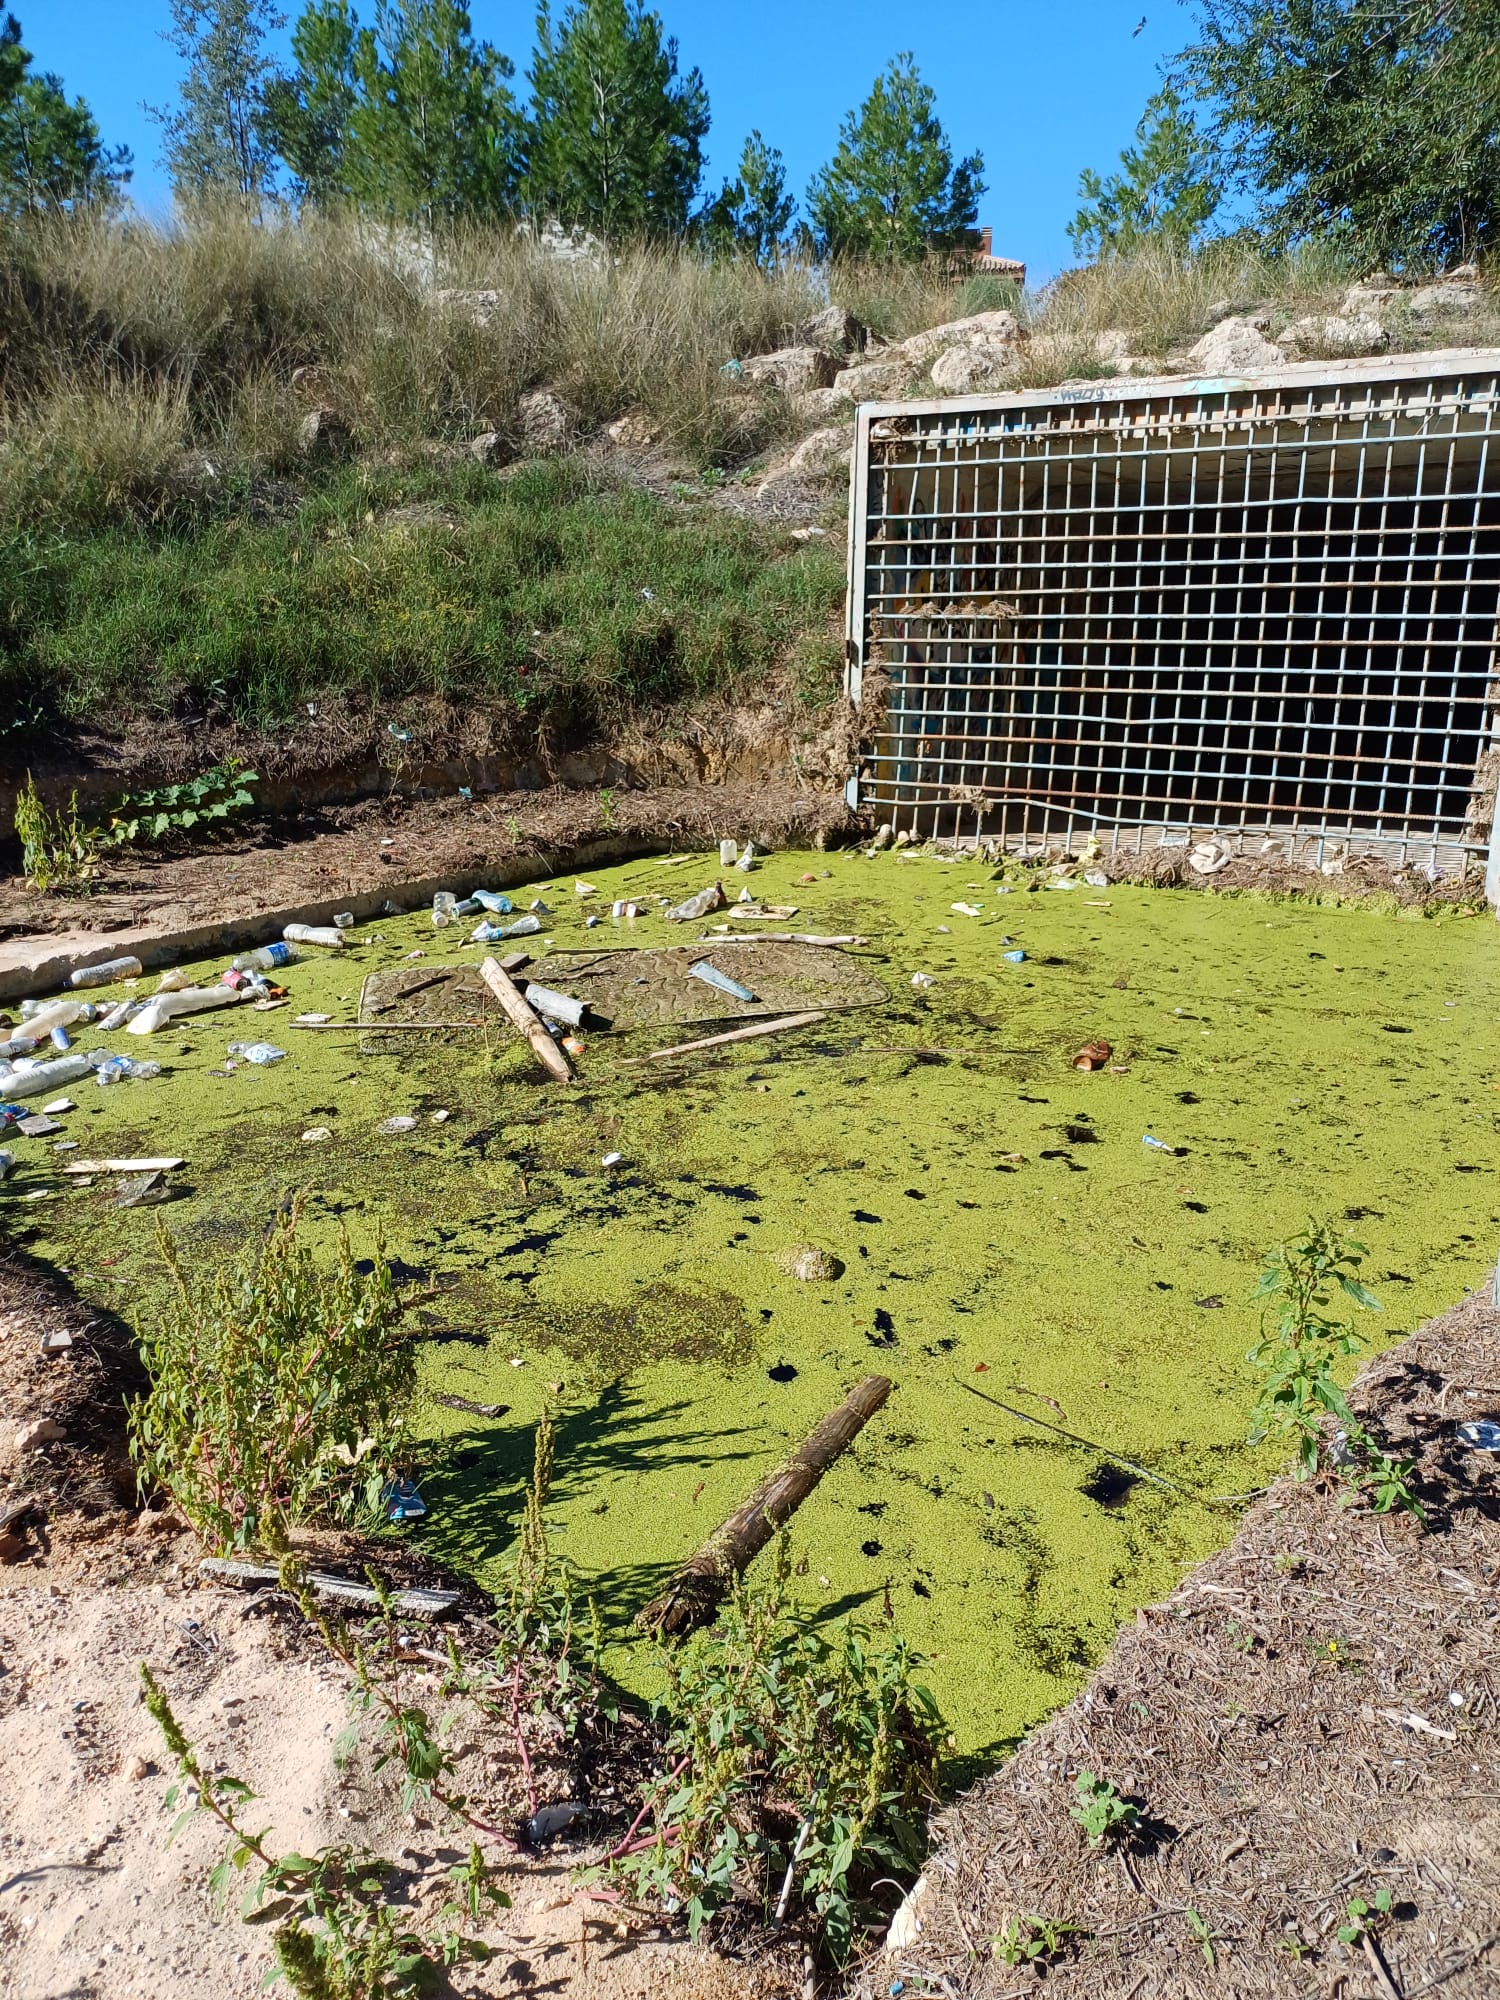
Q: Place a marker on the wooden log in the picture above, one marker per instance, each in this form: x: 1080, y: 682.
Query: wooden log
x: 748, y: 1034
x: 701, y: 1584
x: 412, y: 1603
x: 153, y: 1166
x: 546, y: 1051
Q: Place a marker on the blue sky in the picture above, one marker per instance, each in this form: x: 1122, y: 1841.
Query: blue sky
x: 1041, y: 90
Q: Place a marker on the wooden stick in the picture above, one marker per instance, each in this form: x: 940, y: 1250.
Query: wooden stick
x: 749, y: 1034
x: 414, y: 1603
x: 163, y: 1166
x: 779, y: 937
x: 546, y: 1051
x: 700, y: 1585
x: 377, y: 1027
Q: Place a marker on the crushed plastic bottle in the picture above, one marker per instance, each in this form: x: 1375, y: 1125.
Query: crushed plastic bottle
x: 488, y: 933
x: 41, y: 1079
x: 402, y: 1501
x: 106, y: 973
x: 262, y: 1054
x: 164, y: 1007
x: 1014, y: 957
x: 343, y: 920
x: 269, y: 958
x: 711, y: 898
x: 493, y: 901
x: 326, y: 935
x: 115, y: 1068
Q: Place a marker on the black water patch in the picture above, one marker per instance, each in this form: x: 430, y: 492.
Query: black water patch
x: 1055, y: 1153
x: 885, y: 1329
x: 1188, y: 1097
x: 1111, y: 1486
x: 914, y: 1194
x: 1198, y: 1207
x: 538, y: 1240
x: 919, y: 1589
x: 729, y: 1190
x: 1390, y: 1028
x: 875, y: 1507
x: 1081, y: 1135
x: 864, y: 1215
x: 870, y: 1548
x: 782, y: 1372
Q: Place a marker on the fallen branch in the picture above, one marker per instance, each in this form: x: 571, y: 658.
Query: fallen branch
x: 780, y: 937
x: 546, y: 1051
x: 700, y: 1585
x: 756, y: 1028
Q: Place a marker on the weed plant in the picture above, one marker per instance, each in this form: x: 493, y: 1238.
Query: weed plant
x: 279, y: 1390
x: 799, y: 1766
x: 1103, y: 1813
x: 1299, y: 1391
x: 59, y: 850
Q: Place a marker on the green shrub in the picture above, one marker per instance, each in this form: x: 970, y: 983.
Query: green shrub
x: 279, y: 1391
x: 58, y: 849
x: 799, y: 1766
x: 987, y: 292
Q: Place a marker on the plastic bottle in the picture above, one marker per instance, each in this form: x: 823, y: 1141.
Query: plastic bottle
x: 45, y: 1077
x: 262, y: 1054
x: 116, y: 1067
x: 493, y: 901
x: 444, y: 903
x: 728, y: 853
x: 119, y: 1014
x: 106, y: 973
x: 327, y: 935
x: 55, y: 1014
x: 164, y: 1007
x: 555, y: 1006
x: 267, y: 959
x: 487, y: 933
x: 58, y: 1037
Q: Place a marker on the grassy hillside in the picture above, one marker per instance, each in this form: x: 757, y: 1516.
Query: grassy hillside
x: 168, y: 543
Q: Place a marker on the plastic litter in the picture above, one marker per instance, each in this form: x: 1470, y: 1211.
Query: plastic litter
x: 269, y: 958
x: 493, y: 901
x: 40, y: 1079
x: 174, y: 980
x: 747, y: 860
x: 107, y: 973
x: 444, y: 903
x: 1209, y: 856
x: 1096, y: 878
x: 7, y: 1162
x: 486, y: 933
x: 612, y: 1159
x: 728, y: 852
x: 54, y: 1014
x: 114, y: 1068
x: 711, y: 976
x: 166, y: 1007
x: 1480, y: 1436
x: 343, y: 920
x: 402, y: 1501
x: 966, y: 909
x: 58, y: 1037
x: 921, y: 980
x: 556, y: 1006
x: 315, y: 1135
x: 58, y: 1106
x: 549, y: 1821
x: 1014, y: 957
x: 696, y: 907
x: 630, y: 911
x: 583, y: 888
x: 262, y: 1054
x: 38, y: 1126
x: 329, y: 936
x: 1156, y: 1145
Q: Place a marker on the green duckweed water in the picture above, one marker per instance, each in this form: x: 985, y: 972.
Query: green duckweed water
x: 1298, y: 1059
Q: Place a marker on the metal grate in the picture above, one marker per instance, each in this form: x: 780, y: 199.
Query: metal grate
x: 1139, y: 610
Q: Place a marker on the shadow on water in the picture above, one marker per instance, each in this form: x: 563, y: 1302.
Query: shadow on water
x: 477, y: 1491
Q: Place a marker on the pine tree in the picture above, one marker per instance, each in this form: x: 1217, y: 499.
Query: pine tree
x: 1164, y: 193
x: 751, y: 213
x: 51, y: 154
x: 215, y: 145
x: 309, y: 112
x: 892, y: 190
x: 435, y: 132
x: 616, y: 137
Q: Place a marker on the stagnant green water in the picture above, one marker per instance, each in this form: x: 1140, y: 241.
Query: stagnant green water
x: 1300, y: 1060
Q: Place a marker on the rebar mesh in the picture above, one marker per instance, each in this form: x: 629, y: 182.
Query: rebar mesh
x: 1129, y: 609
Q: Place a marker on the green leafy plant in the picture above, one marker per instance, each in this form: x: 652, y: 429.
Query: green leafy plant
x: 1205, y: 1934
x: 198, y: 803
x: 336, y: 1936
x: 1361, y: 1918
x: 1101, y: 1811
x: 606, y: 809
x: 1033, y: 1940
x: 279, y: 1390
x: 797, y: 1765
x: 1298, y: 1390
x: 58, y: 851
